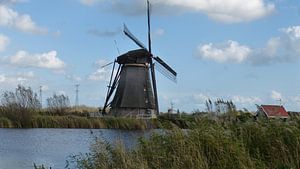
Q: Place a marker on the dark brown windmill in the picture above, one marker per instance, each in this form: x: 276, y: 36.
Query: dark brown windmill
x: 134, y: 80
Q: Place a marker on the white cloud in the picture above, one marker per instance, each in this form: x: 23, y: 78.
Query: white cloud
x: 45, y: 87
x: 293, y: 32
x: 89, y: 2
x: 74, y: 78
x: 237, y: 99
x: 4, y: 41
x: 61, y: 92
x: 2, y: 78
x: 230, y: 51
x: 200, y: 97
x: 28, y: 75
x: 100, y: 63
x: 102, y: 73
x: 47, y: 60
x: 17, y: 78
x: 235, y: 10
x: 22, y: 22
x: 227, y: 11
x: 282, y: 49
x: 275, y: 95
x: 8, y: 2
x: 291, y: 39
x: 104, y: 33
x: 272, y: 47
x: 159, y: 32
x: 246, y: 100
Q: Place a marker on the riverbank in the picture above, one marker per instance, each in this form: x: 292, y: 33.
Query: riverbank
x: 72, y: 121
x: 217, y: 142
x: 78, y: 122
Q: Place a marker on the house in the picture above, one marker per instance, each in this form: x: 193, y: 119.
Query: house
x: 272, y: 111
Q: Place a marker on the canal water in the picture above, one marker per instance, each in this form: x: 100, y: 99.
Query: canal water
x: 21, y: 148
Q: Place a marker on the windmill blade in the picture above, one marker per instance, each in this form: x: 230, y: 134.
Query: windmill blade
x: 103, y: 66
x: 165, y: 72
x: 149, y: 26
x: 132, y: 37
x: 165, y: 65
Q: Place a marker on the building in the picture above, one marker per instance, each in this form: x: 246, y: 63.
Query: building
x: 272, y: 111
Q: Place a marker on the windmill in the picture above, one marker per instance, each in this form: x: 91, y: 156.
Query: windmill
x: 133, y: 83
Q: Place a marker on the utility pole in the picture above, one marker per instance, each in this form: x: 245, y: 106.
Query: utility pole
x: 280, y: 101
x: 172, y: 107
x: 76, y: 99
x: 41, y: 96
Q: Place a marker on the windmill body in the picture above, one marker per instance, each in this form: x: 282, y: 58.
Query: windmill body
x: 134, y: 93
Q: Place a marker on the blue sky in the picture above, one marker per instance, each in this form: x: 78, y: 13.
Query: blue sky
x: 240, y: 50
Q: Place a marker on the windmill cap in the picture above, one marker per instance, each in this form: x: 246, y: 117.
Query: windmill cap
x: 134, y: 56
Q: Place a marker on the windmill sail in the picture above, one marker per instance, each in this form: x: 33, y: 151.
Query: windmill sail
x: 166, y: 66
x: 132, y: 37
x: 151, y: 61
x: 149, y: 27
x: 165, y: 72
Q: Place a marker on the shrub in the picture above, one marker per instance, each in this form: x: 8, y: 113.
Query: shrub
x: 58, y: 104
x: 19, y: 106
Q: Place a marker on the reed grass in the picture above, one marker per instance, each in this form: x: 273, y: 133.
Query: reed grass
x: 85, y: 122
x: 5, y: 123
x: 210, y: 144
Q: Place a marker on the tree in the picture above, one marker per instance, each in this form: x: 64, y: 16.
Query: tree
x: 58, y: 104
x: 20, y: 105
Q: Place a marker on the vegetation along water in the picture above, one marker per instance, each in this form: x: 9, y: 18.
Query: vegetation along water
x: 233, y: 139
x: 209, y: 144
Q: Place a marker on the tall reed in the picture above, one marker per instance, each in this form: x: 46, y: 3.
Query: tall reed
x: 213, y: 144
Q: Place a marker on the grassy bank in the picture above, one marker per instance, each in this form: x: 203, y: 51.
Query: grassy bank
x: 210, y: 144
x: 79, y: 122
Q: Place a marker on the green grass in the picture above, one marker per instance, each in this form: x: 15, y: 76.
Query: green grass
x: 42, y: 120
x: 210, y: 144
x: 85, y: 122
x: 5, y: 123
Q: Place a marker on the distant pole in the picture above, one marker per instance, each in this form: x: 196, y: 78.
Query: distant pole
x: 76, y: 99
x: 280, y: 102
x: 41, y: 96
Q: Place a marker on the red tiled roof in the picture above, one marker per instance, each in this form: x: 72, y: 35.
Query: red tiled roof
x: 274, y: 111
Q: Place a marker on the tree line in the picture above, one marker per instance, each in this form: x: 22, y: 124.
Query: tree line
x: 22, y: 104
